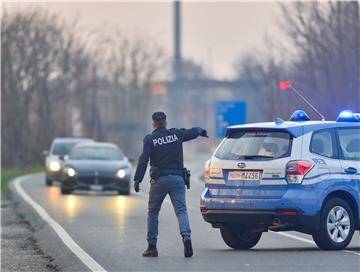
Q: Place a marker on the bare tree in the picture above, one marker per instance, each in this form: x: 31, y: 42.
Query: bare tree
x: 129, y: 65
x: 325, y: 62
x: 55, y: 84
x: 40, y: 80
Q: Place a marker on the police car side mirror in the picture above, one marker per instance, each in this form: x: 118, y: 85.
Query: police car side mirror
x: 45, y: 152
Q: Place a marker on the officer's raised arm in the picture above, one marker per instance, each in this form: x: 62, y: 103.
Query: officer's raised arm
x: 142, y: 164
x: 192, y: 133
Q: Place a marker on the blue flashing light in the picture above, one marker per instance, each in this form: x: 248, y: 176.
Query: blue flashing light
x: 348, y: 116
x: 299, y: 115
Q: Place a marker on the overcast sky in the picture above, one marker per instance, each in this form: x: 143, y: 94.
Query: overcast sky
x: 213, y: 34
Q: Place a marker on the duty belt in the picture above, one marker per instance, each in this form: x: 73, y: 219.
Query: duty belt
x: 156, y: 172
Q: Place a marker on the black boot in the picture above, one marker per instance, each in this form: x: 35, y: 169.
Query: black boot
x: 188, y: 250
x: 151, y: 251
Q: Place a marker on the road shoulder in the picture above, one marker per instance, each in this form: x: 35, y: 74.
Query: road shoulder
x: 20, y: 250
x: 46, y: 238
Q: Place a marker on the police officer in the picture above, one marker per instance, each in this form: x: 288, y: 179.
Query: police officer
x: 164, y: 149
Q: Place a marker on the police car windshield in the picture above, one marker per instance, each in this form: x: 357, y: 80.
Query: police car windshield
x: 96, y: 153
x: 259, y: 145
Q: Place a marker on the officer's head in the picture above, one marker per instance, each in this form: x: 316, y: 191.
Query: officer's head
x: 159, y: 119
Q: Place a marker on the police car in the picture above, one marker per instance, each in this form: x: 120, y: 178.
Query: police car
x: 296, y: 175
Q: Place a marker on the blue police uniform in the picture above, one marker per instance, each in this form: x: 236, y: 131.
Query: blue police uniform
x: 163, y: 147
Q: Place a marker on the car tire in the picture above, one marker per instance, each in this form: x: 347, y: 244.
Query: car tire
x: 48, y: 182
x: 337, y: 225
x: 65, y: 191
x: 240, y: 239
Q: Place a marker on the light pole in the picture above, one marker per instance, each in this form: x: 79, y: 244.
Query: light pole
x: 177, y: 69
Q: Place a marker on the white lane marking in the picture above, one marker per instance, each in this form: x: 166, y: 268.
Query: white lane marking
x: 295, y: 237
x: 64, y: 236
x: 309, y: 241
x: 354, y: 252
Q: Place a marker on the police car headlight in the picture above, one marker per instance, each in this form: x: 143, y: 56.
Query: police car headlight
x: 54, y: 166
x: 70, y: 172
x: 122, y: 173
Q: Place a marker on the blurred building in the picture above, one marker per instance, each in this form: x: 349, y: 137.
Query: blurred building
x: 193, y: 103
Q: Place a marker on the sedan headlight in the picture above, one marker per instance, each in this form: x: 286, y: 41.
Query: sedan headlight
x: 54, y: 166
x: 122, y: 173
x: 70, y: 172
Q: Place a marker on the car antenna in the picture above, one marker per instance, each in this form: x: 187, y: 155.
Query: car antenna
x: 284, y: 85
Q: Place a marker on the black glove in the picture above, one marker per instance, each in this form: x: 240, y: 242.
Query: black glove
x: 203, y: 133
x: 137, y: 186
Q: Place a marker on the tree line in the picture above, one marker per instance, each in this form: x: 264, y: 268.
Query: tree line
x: 52, y: 80
x: 318, y: 49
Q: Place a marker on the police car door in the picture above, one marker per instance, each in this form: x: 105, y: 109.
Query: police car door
x: 349, y: 148
x: 324, y: 154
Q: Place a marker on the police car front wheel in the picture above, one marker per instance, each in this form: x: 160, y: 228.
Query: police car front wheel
x: 336, y: 225
x: 240, y: 238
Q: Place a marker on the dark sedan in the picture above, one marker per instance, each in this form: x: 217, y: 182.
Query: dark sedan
x: 97, y: 167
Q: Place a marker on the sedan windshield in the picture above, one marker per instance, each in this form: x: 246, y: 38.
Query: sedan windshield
x: 62, y: 149
x: 249, y: 145
x: 96, y: 153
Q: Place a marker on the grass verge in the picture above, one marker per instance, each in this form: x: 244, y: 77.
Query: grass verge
x: 9, y: 173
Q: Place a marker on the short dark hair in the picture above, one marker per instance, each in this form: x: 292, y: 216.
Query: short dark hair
x: 159, y: 118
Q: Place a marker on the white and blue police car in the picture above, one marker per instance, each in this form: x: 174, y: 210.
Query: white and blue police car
x: 296, y: 175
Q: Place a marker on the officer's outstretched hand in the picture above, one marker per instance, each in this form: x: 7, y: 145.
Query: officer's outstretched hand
x: 204, y: 133
x: 137, y: 186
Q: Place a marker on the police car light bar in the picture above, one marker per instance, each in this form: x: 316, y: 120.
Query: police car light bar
x: 284, y: 85
x: 299, y: 115
x: 348, y: 116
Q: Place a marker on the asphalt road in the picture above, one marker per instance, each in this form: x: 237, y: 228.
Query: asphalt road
x: 112, y: 228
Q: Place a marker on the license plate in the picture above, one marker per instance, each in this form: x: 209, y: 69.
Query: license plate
x: 96, y: 187
x: 245, y: 175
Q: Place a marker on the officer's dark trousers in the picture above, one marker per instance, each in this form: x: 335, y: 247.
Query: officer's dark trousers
x: 174, y: 186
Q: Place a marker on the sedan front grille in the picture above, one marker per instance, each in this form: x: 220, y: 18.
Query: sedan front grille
x: 96, y: 180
